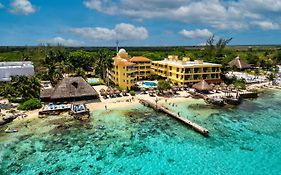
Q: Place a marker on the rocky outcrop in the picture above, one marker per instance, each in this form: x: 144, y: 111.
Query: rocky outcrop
x: 7, y: 119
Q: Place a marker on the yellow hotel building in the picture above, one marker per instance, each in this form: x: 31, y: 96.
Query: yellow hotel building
x: 186, y: 72
x: 128, y: 70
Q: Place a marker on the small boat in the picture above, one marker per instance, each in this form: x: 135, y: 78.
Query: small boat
x: 9, y: 130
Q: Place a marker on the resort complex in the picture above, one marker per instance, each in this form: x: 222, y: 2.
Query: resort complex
x: 140, y: 87
x: 128, y: 70
x: 104, y: 106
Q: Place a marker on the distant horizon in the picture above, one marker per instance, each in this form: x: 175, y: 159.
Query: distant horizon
x: 144, y: 46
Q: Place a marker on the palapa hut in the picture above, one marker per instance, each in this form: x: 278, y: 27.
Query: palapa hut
x: 69, y: 89
x: 239, y: 64
x: 202, y: 86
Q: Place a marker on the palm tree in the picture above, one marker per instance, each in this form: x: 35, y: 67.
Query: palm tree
x: 80, y: 72
x: 104, y: 62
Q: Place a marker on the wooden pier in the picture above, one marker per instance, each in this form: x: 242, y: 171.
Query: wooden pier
x: 191, y: 124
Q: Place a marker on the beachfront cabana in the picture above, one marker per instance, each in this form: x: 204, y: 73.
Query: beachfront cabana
x: 202, y: 86
x: 69, y: 89
x: 239, y: 64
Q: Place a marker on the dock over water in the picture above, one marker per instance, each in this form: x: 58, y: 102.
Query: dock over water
x: 191, y: 124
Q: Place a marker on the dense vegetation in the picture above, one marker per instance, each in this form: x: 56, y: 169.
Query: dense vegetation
x: 30, y: 104
x: 21, y: 88
x: 52, y: 62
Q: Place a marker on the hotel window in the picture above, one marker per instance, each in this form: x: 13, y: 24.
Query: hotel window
x: 178, y: 69
x: 177, y: 76
x: 170, y: 67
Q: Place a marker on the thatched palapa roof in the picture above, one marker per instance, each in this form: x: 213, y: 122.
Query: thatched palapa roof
x: 70, y: 88
x: 240, y: 64
x: 202, y: 86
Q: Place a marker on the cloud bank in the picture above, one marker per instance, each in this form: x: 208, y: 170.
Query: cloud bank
x: 121, y: 31
x: 230, y: 14
x: 22, y: 7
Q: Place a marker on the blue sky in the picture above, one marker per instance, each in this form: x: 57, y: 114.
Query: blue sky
x: 138, y: 22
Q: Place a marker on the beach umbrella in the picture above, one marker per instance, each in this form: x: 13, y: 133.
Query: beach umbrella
x: 111, y: 93
x: 217, y: 87
x: 213, y: 85
x: 223, y: 85
x: 142, y: 89
x: 174, y: 88
x: 102, y: 91
x: 202, y: 86
x: 231, y: 86
x: 117, y: 92
x: 124, y: 92
x: 108, y: 89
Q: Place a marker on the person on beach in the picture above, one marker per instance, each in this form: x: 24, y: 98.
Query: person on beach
x: 105, y: 106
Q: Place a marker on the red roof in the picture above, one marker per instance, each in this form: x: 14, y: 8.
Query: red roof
x: 139, y: 59
x: 214, y: 81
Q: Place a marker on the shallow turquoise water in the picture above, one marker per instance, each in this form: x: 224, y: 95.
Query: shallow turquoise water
x: 93, y: 80
x: 244, y: 140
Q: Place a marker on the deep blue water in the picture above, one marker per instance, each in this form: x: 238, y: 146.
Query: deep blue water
x: 243, y: 140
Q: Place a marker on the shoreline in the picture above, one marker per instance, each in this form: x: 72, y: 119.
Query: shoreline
x: 133, y: 101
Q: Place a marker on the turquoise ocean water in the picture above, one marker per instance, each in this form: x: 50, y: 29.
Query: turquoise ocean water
x: 243, y: 140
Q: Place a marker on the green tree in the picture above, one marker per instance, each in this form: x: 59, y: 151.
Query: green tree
x: 80, y: 72
x: 214, y: 50
x: 163, y: 85
x: 104, y: 62
x: 22, y: 87
x: 81, y: 59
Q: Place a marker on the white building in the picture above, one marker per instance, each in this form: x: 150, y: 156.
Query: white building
x: 9, y: 69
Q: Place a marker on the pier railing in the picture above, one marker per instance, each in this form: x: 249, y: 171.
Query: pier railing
x: 189, y: 123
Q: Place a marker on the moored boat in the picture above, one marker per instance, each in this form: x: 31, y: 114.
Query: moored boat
x: 10, y: 130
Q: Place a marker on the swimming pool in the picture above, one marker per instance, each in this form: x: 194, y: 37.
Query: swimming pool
x: 147, y: 84
x: 93, y: 80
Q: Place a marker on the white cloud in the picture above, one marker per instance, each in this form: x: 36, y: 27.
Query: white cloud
x: 266, y: 25
x: 198, y: 33
x: 121, y: 31
x: 22, y: 7
x: 219, y: 14
x: 62, y: 41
